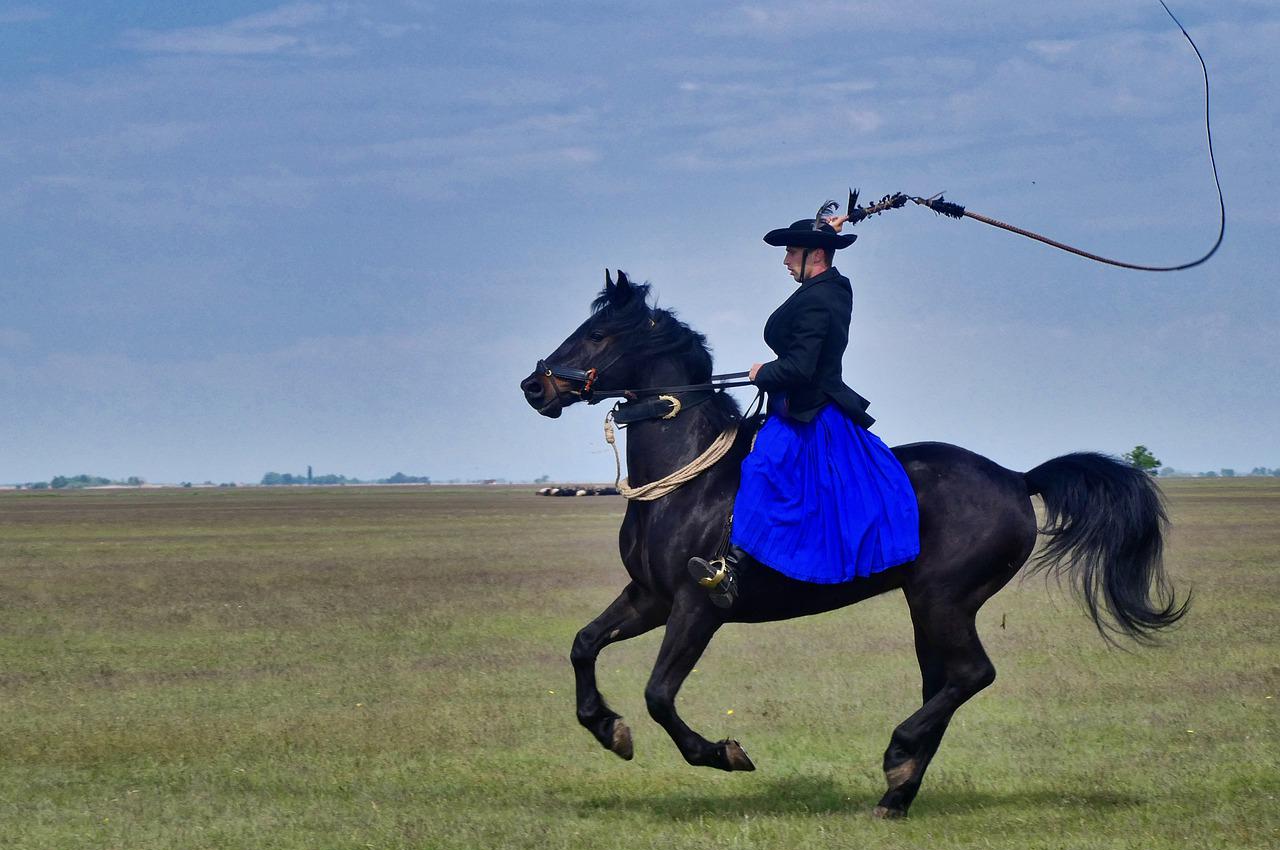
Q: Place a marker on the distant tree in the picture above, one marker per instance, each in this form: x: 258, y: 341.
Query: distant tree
x: 1142, y: 458
x: 1209, y: 474
x: 134, y: 481
x: 273, y: 479
x: 542, y: 479
x: 1228, y: 473
x: 401, y: 478
x: 63, y: 482
x: 326, y: 479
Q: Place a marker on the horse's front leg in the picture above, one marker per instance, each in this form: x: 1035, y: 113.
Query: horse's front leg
x: 690, y: 627
x: 634, y: 612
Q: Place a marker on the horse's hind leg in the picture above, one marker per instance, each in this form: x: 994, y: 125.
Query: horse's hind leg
x: 634, y: 612
x: 689, y: 630
x: 955, y: 668
x: 933, y: 674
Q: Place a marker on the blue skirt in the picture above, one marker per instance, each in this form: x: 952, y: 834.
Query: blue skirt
x: 825, y: 501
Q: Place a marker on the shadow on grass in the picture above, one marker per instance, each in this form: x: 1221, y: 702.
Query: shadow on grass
x: 797, y: 795
x: 948, y: 802
x: 821, y: 795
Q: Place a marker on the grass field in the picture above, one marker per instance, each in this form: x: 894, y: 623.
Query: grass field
x: 387, y: 668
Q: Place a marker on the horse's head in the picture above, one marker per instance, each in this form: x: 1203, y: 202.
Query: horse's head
x: 616, y: 348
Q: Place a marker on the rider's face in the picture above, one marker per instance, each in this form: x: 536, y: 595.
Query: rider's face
x: 794, y: 260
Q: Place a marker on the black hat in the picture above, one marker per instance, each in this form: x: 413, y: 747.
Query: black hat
x: 804, y: 234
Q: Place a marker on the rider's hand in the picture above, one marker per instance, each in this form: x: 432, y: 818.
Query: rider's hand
x: 837, y: 221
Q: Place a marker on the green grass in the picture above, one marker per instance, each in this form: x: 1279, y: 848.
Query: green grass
x: 387, y: 668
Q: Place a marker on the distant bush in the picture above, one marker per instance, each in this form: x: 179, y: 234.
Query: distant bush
x: 401, y: 478
x: 275, y: 479
x: 62, y: 482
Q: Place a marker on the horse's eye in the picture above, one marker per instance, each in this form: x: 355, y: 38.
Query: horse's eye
x: 596, y: 336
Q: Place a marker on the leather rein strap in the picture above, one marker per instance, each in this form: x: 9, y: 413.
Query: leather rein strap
x: 587, y: 377
x: 664, y: 406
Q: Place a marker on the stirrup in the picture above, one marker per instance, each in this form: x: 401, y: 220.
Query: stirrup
x: 719, y: 577
x: 722, y: 572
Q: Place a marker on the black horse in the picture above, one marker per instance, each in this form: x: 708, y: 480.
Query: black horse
x: 1104, y: 522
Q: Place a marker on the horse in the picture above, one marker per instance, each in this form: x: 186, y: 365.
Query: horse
x: 1104, y: 524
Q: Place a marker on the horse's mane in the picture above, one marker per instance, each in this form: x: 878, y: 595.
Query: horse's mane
x: 624, y: 312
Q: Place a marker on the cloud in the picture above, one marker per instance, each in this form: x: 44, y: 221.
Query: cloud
x: 193, y: 203
x: 291, y: 16
x: 14, y: 338
x: 920, y: 18
x: 1025, y: 96
x: 362, y: 403
x: 217, y: 191
x: 24, y: 15
x: 212, y: 40
x: 532, y: 138
x: 137, y: 137
x: 307, y: 29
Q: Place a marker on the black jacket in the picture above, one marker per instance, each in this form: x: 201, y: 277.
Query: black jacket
x: 809, y: 333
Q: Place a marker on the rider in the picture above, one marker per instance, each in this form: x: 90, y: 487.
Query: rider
x: 821, y: 498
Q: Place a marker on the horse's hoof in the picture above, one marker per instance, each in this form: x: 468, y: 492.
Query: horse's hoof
x: 886, y: 813
x: 737, y: 757
x: 620, y: 745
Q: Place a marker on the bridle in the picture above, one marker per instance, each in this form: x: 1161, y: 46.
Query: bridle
x: 647, y: 403
x: 586, y: 380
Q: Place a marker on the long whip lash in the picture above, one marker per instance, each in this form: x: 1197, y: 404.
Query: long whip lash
x: 944, y: 207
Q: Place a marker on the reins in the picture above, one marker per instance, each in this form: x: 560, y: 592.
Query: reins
x: 588, y: 377
x: 715, y: 382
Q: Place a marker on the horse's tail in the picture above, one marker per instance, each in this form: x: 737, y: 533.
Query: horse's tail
x: 1105, y: 521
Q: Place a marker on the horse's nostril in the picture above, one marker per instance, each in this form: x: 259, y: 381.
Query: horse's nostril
x: 532, y: 387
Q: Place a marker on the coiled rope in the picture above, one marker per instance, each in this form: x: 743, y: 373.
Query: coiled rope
x: 670, y: 483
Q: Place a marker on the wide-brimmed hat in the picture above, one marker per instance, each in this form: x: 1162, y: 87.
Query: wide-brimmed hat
x: 804, y: 234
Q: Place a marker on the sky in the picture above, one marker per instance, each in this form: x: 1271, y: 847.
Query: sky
x: 242, y: 237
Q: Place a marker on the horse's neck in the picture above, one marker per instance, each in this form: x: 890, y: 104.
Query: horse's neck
x: 658, y: 447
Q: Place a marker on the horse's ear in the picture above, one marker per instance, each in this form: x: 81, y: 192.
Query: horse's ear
x: 608, y: 282
x: 623, y: 291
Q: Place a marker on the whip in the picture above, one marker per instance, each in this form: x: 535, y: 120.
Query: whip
x: 943, y: 207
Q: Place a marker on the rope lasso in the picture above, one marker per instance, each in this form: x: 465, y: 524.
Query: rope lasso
x: 670, y: 483
x: 944, y: 207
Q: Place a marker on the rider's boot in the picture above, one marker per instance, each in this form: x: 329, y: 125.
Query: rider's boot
x: 719, y: 576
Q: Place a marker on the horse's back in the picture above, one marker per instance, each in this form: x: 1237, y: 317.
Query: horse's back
x: 930, y: 464
x: 963, y: 495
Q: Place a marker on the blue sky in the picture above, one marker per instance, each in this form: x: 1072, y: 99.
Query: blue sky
x: 244, y: 236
